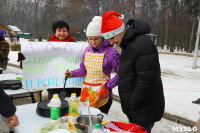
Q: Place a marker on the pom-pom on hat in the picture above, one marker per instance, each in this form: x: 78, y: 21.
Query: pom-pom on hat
x: 111, y: 24
x: 94, y: 27
x: 1, y: 33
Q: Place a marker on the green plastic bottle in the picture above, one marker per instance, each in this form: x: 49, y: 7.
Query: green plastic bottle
x: 97, y: 128
x: 54, y: 105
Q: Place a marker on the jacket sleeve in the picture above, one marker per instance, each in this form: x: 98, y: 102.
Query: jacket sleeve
x: 81, y: 72
x: 4, y: 49
x: 115, y: 62
x: 7, y: 108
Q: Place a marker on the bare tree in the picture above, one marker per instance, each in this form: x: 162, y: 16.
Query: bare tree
x: 37, y: 17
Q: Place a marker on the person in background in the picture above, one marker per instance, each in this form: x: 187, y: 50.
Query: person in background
x: 61, y: 32
x: 7, y: 110
x: 98, y: 60
x: 4, y: 51
x: 18, y: 38
x: 140, y: 85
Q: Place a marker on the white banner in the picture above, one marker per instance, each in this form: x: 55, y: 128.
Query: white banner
x: 46, y: 63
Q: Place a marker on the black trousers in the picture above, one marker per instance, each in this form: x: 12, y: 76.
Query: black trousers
x: 105, y: 108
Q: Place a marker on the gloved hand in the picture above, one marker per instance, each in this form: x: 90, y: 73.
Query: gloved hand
x: 20, y: 57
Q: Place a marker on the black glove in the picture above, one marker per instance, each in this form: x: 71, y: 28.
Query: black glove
x: 20, y: 57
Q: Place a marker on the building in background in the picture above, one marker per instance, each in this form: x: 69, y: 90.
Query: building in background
x: 7, y: 31
x: 14, y: 30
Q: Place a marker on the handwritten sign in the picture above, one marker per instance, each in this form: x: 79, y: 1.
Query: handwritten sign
x: 46, y: 63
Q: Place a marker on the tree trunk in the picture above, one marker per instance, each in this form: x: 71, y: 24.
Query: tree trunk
x: 192, y: 35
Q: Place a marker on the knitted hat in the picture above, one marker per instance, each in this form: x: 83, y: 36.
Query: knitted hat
x: 111, y: 24
x: 94, y: 27
x: 1, y: 33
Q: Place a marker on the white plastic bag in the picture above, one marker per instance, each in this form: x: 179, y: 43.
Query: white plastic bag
x: 51, y: 127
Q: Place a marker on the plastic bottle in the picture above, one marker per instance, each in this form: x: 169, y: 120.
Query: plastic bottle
x: 44, y: 93
x: 73, y: 110
x: 97, y: 128
x: 54, y: 105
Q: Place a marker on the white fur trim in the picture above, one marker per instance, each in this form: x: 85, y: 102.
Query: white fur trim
x: 113, y: 33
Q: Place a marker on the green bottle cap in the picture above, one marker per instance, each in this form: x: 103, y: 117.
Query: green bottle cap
x: 97, y: 125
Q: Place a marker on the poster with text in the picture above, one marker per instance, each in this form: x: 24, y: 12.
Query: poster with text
x: 46, y: 63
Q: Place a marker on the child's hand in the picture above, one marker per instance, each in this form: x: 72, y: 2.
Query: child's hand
x: 69, y: 74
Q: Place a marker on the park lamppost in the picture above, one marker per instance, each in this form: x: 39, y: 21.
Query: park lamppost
x: 196, y: 47
x: 80, y: 34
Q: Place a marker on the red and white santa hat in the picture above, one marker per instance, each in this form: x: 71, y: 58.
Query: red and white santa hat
x: 111, y: 24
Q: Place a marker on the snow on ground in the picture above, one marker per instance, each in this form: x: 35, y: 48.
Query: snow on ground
x: 13, y: 56
x: 181, y: 85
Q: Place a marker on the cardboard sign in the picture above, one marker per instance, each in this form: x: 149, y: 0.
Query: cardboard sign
x: 46, y: 63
